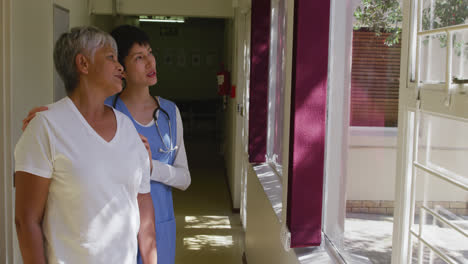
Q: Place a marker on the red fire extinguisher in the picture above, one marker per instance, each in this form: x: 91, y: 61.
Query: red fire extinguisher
x: 224, y: 81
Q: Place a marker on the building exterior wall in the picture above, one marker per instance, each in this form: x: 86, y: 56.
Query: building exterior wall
x: 372, y: 172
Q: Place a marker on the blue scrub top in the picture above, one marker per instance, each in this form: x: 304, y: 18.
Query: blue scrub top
x: 160, y: 193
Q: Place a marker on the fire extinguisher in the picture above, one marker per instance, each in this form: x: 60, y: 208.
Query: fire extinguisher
x: 224, y: 81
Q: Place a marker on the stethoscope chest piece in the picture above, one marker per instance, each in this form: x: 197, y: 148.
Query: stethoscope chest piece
x: 170, y: 148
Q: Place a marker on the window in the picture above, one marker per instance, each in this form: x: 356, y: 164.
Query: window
x: 433, y: 196
x: 431, y: 179
x: 361, y: 146
x: 276, y: 86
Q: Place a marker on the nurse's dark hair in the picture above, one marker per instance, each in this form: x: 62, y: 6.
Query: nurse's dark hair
x: 126, y: 36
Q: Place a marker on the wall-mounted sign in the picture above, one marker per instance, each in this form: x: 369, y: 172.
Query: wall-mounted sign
x: 196, y: 60
x: 166, y: 31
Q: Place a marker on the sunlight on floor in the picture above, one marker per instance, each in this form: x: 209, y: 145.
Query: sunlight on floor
x: 208, y: 221
x: 208, y: 242
x: 372, y: 235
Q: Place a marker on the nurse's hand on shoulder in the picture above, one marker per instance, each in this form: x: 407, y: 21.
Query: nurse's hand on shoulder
x: 32, y: 114
x: 147, y: 146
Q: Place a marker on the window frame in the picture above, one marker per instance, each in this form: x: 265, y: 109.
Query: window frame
x: 414, y: 99
x: 337, y: 127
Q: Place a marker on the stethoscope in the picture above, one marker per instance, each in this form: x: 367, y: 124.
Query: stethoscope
x: 155, y: 118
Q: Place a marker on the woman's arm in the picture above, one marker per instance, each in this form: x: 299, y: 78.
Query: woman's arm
x: 31, y: 198
x: 147, y: 233
x: 177, y: 175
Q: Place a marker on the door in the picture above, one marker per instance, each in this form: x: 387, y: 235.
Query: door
x: 6, y: 169
x: 432, y: 179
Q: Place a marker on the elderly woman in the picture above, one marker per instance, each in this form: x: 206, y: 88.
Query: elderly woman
x: 82, y: 171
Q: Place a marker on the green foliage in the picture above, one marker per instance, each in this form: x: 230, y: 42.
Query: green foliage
x: 446, y: 13
x: 385, y: 16
x: 380, y: 16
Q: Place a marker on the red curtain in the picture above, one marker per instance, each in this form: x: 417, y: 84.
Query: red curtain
x: 258, y: 106
x: 308, y: 111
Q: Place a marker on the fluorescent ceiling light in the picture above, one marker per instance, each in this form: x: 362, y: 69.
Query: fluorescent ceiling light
x: 161, y: 19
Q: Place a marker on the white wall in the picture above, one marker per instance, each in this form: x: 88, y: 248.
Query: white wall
x: 78, y: 11
x: 198, y: 8
x: 230, y: 151
x: 32, y: 65
x: 32, y: 42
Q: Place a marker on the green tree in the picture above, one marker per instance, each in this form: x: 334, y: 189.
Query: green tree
x: 380, y: 16
x: 445, y: 13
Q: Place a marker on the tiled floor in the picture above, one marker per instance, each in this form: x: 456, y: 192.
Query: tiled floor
x: 207, y: 229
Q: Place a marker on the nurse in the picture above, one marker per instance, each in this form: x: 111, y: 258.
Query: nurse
x: 160, y: 122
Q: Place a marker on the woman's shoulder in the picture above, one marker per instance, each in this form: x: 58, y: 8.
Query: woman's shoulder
x: 57, y: 115
x: 121, y: 117
x: 57, y: 110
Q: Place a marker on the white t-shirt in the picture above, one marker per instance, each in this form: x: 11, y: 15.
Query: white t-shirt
x: 92, y: 214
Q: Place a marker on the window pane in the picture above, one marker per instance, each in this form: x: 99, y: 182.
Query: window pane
x: 443, y: 13
x: 427, y: 255
x: 412, y: 44
x: 375, y: 79
x: 443, y: 145
x: 433, y: 58
x: 372, y: 137
x: 460, y: 55
x: 443, y: 198
x: 276, y: 85
x: 441, y: 187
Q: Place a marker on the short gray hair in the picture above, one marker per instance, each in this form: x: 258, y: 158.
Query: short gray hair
x: 85, y: 40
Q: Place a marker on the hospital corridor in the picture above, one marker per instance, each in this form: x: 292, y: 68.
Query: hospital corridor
x: 315, y: 131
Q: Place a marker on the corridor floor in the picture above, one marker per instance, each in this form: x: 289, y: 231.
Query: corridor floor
x: 207, y: 229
